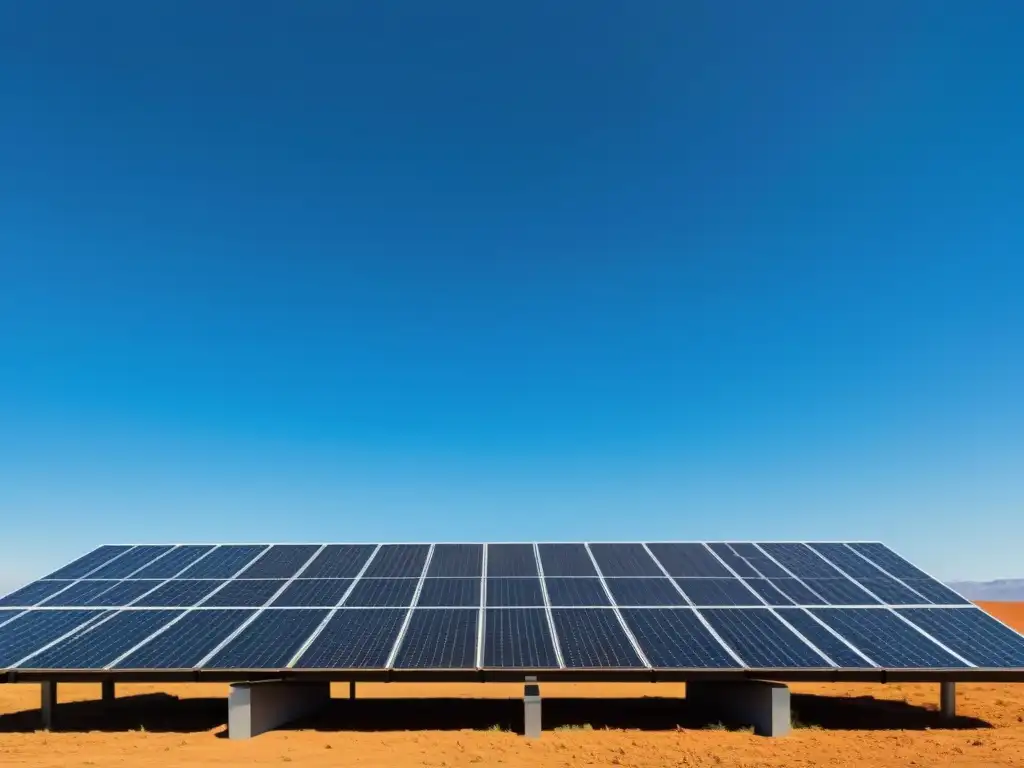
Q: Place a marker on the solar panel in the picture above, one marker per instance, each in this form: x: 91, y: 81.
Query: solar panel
x: 584, y: 608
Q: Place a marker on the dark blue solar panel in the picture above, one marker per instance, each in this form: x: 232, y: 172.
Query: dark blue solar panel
x: 270, y: 641
x: 761, y: 640
x: 840, y: 592
x: 96, y: 646
x: 182, y: 594
x: 313, y: 593
x: 675, y: 638
x: 593, y: 638
x: 339, y: 561
x: 688, y: 560
x: 514, y: 592
x: 731, y: 559
x: 457, y: 560
x: 624, y: 560
x: 121, y: 594
x: 511, y: 560
x: 576, y: 592
x: 840, y: 653
x: 566, y: 560
x: 758, y: 560
x: 382, y: 593
x: 802, y: 561
x: 885, y: 639
x: 130, y: 562
x: 175, y: 561
x: 34, y: 593
x: 450, y: 593
x: 730, y: 591
x: 245, y: 593
x: 187, y: 642
x: 973, y: 634
x: 888, y: 560
x: 281, y: 561
x: 847, y: 560
x: 518, y: 638
x: 768, y: 592
x: 81, y: 594
x: 890, y: 591
x: 34, y: 629
x: 355, y: 640
x: 88, y: 563
x: 223, y: 563
x: 645, y: 592
x: 439, y: 638
x: 395, y: 560
x: 797, y: 592
x: 934, y: 592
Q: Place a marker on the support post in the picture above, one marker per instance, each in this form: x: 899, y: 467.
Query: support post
x: 108, y: 691
x: 947, y: 699
x: 48, y: 703
x: 254, y: 708
x: 352, y: 690
x: 531, y: 709
x: 762, y: 704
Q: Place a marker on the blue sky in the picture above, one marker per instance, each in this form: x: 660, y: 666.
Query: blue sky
x: 451, y: 270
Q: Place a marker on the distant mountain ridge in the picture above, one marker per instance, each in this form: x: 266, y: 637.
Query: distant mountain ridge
x: 1000, y: 589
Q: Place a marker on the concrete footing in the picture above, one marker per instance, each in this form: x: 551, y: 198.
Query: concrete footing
x: 48, y: 703
x: 762, y: 704
x: 254, y: 708
x: 947, y: 699
x: 108, y: 693
x: 531, y: 709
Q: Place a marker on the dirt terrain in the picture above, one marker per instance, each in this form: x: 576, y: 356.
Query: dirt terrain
x: 458, y: 725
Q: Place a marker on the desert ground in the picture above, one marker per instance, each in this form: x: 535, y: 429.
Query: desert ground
x: 399, y: 725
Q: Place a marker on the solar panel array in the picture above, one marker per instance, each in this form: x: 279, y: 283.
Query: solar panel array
x: 575, y: 606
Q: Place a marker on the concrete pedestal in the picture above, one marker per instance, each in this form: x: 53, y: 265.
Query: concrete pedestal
x: 48, y: 704
x: 762, y: 704
x: 254, y: 708
x: 531, y: 710
x: 947, y: 699
x: 108, y: 690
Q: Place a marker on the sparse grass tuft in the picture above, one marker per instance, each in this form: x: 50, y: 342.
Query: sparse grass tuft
x: 583, y: 727
x: 498, y: 728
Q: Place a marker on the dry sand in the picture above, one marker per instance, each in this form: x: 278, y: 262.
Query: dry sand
x: 448, y: 725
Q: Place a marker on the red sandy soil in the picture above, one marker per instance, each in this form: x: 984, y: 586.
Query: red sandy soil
x: 459, y: 725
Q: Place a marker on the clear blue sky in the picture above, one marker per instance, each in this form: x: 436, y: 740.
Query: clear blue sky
x: 457, y: 270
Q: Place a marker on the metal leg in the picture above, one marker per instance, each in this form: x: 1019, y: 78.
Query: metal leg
x: 531, y: 709
x: 48, y: 703
x: 947, y: 699
x: 352, y: 689
x: 108, y: 690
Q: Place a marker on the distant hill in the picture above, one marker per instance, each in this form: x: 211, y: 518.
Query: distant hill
x: 1001, y: 589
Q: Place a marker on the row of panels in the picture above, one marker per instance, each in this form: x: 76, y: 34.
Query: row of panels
x: 666, y: 638
x: 855, y: 561
x: 521, y: 591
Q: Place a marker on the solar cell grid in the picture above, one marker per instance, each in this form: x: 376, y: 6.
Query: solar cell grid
x: 439, y: 639
x: 339, y: 561
x: 676, y: 638
x: 890, y: 591
x: 118, y: 594
x: 178, y: 594
x: 740, y: 566
x: 645, y: 592
x: 32, y: 631
x: 454, y: 560
x: 688, y: 560
x: 758, y: 560
x: 382, y: 593
x: 89, y: 562
x: 398, y: 560
x: 223, y: 563
x: 934, y: 592
x: 518, y: 639
x: 130, y: 562
x: 270, y: 641
x: 729, y: 591
x: 99, y: 644
x: 245, y: 593
x: 801, y: 561
x: 839, y: 652
x: 514, y: 592
x: 593, y: 638
x: 761, y: 640
x: 450, y: 593
x: 797, y: 591
x: 840, y: 592
x: 354, y: 640
x: 511, y: 560
x: 885, y: 639
x: 183, y: 644
x: 850, y: 562
x: 972, y: 634
x: 173, y: 562
x: 768, y: 592
x: 33, y: 593
x: 281, y: 561
x: 576, y: 592
x: 624, y: 560
x: 313, y: 593
x: 566, y: 560
x: 82, y: 593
